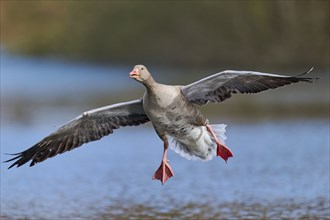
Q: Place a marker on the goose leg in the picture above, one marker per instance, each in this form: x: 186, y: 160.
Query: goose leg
x: 164, y: 172
x: 222, y: 150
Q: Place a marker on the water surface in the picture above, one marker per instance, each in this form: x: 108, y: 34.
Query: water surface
x: 285, y: 163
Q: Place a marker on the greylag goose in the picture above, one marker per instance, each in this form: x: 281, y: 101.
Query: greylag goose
x: 172, y: 112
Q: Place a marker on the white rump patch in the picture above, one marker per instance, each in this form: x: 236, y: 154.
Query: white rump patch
x: 220, y: 130
x: 199, y: 143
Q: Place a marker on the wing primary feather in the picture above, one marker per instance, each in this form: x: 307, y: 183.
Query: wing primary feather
x: 89, y: 126
x: 221, y: 86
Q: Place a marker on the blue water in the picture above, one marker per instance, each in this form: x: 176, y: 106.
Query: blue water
x: 283, y: 160
x: 278, y: 160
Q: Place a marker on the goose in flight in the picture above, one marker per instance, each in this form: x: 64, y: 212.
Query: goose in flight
x: 172, y: 112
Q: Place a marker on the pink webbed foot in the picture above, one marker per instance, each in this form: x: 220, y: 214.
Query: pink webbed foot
x: 223, y: 151
x: 163, y: 173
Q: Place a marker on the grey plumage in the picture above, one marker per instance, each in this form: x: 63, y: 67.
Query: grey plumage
x: 221, y: 86
x: 89, y: 126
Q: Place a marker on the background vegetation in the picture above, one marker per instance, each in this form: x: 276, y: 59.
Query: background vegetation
x: 204, y: 34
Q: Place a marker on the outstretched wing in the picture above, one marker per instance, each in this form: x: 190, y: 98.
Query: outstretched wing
x: 89, y: 126
x: 221, y: 86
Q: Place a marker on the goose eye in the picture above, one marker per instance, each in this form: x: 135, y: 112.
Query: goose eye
x: 142, y: 68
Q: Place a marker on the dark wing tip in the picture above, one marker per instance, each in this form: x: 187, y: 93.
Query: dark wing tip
x: 311, y: 80
x: 308, y: 79
x: 14, y: 158
x: 18, y: 161
x: 22, y: 157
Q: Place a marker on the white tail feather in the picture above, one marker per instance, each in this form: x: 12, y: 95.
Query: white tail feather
x: 204, y: 148
x: 220, y: 130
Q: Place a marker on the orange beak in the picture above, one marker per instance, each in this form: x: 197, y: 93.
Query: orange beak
x: 134, y: 74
